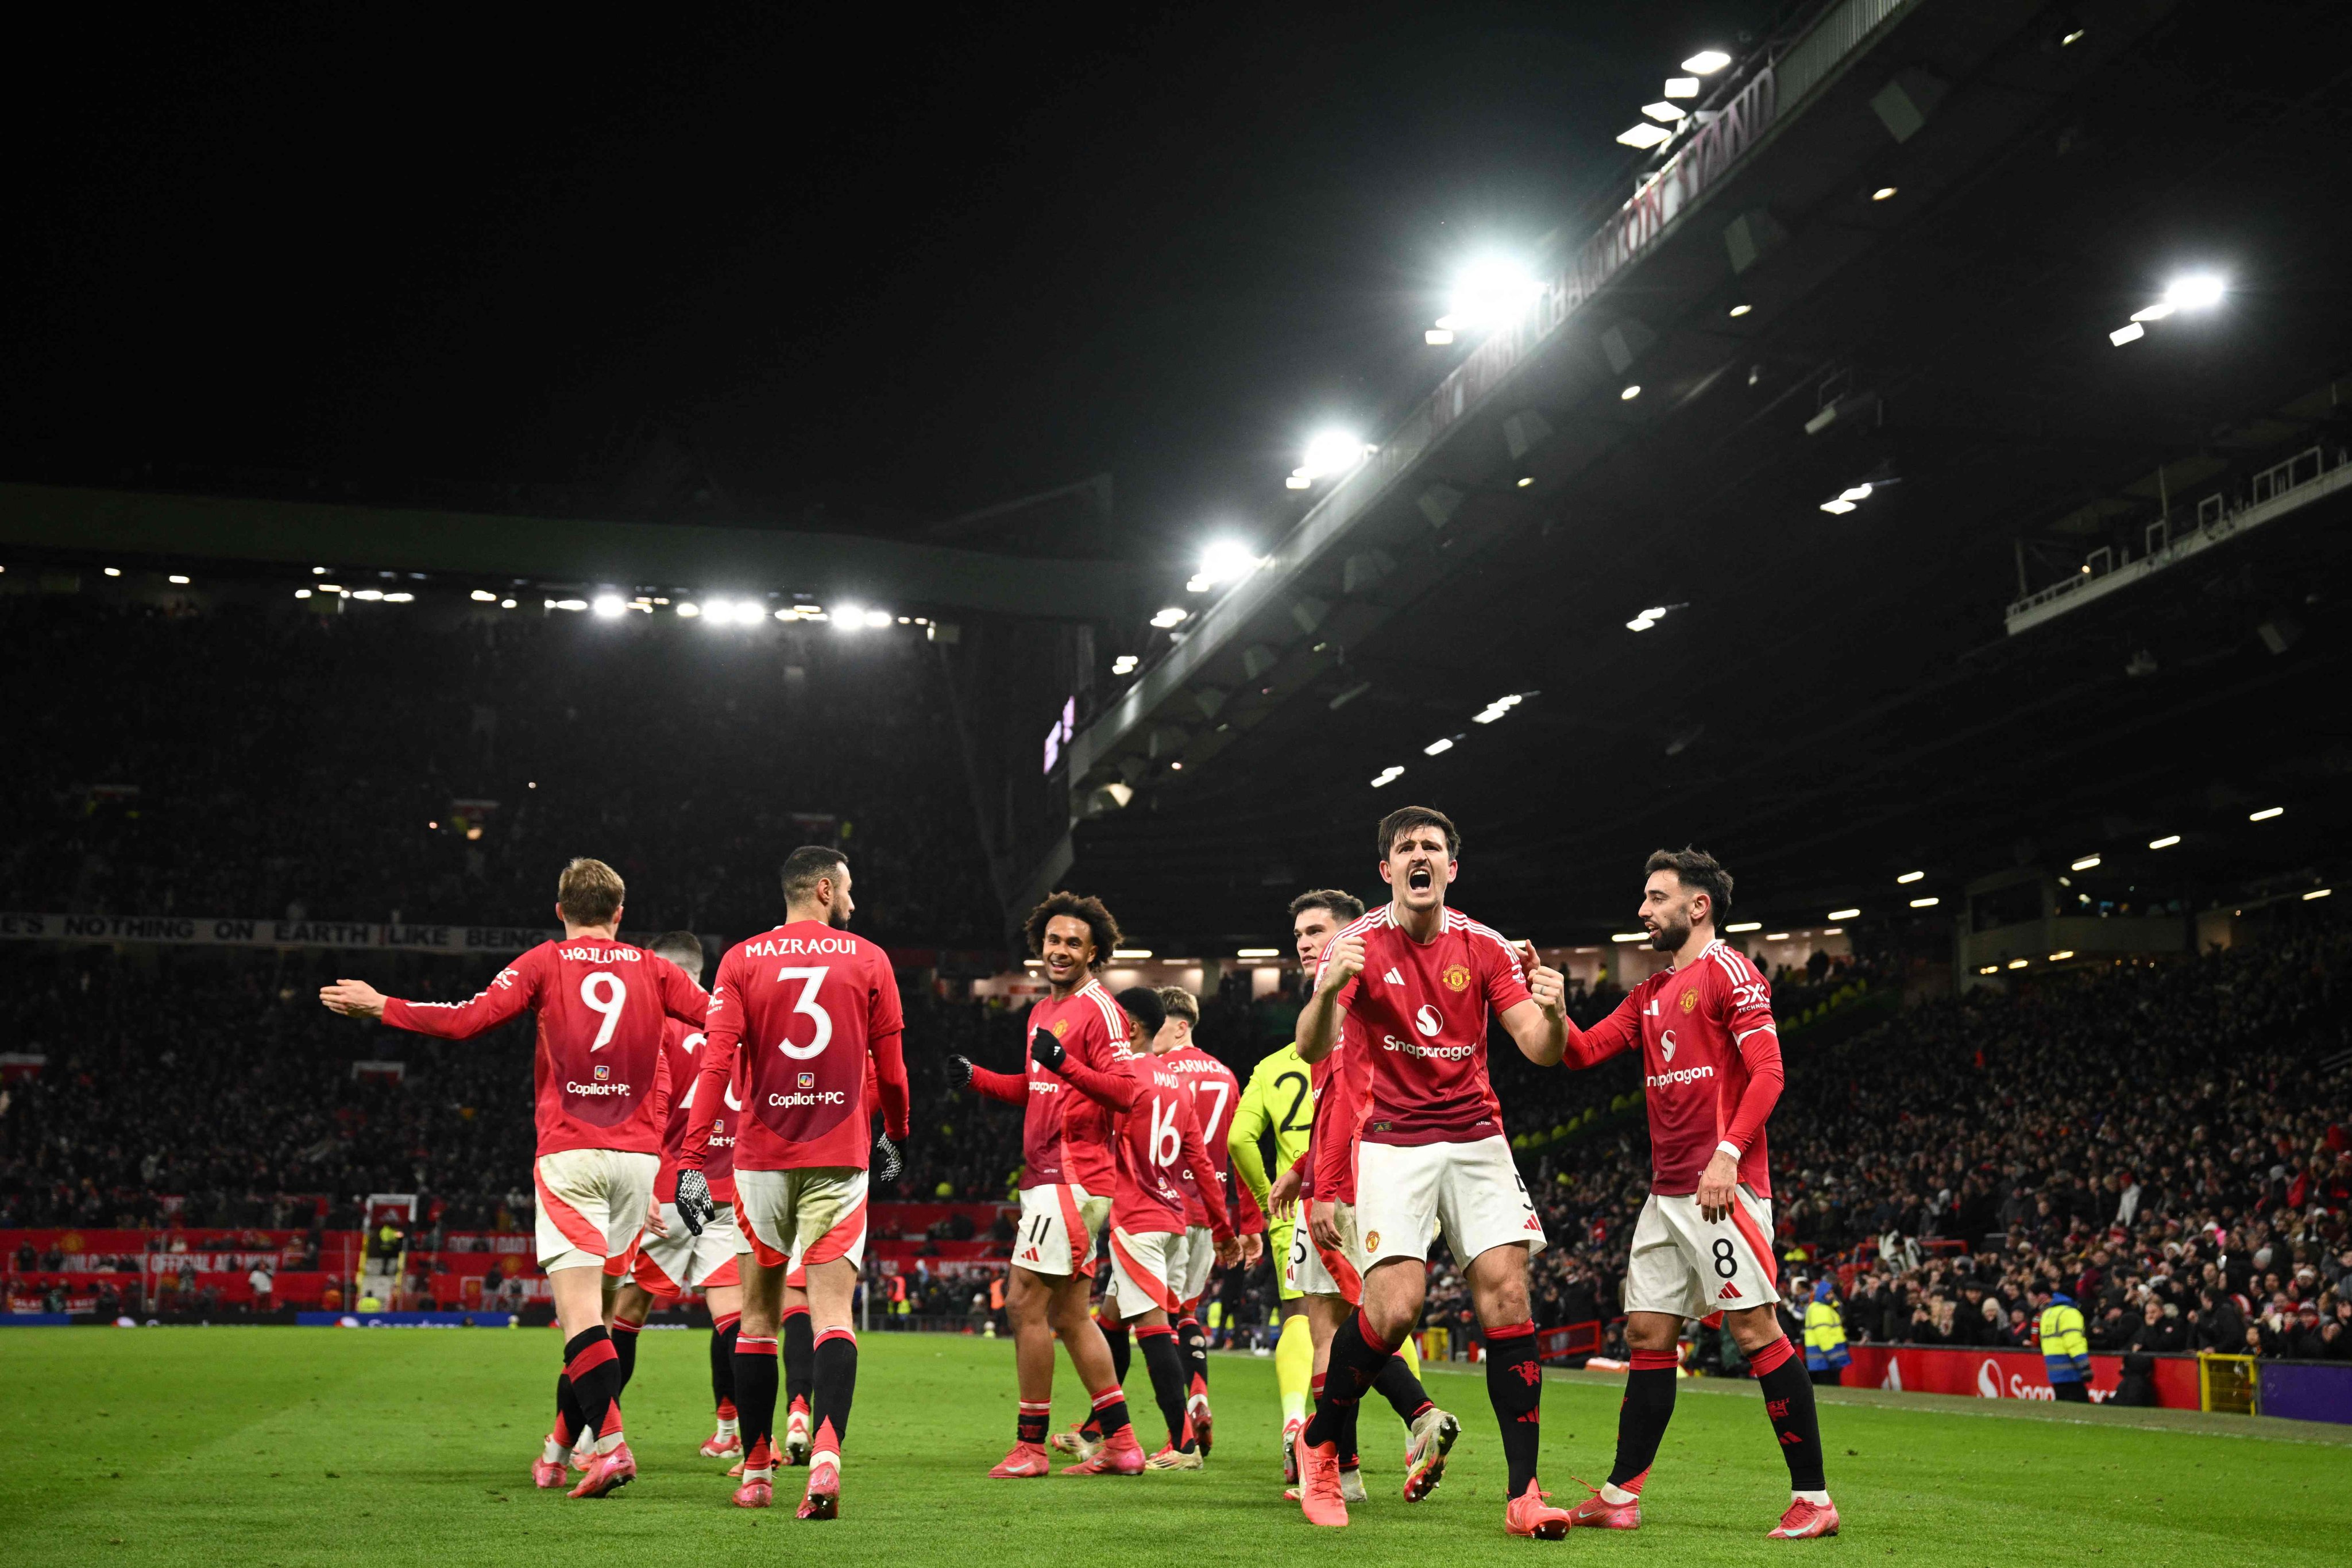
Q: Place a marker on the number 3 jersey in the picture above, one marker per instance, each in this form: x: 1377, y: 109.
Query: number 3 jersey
x: 598, y: 1059
x: 806, y: 1005
x: 1710, y: 1065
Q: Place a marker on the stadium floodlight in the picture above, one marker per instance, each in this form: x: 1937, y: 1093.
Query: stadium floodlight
x: 1526, y: 479
x: 1681, y: 87
x: 572, y: 605
x: 1437, y: 337
x: 1388, y: 775
x: 687, y: 609
x: 2195, y: 292
x: 1438, y: 747
x: 1298, y: 480
x: 318, y: 570
x: 1490, y: 292
x: 400, y: 598
x: 1739, y: 309
x: 2017, y: 964
x: 1224, y: 561
x: 1776, y: 936
x: 1909, y: 876
x: 1124, y: 664
x: 114, y: 571
x: 1332, y: 452
x: 610, y: 606
x: 506, y: 604
x: 1666, y: 112
x: 1644, y: 135
x: 2062, y: 954
x: 849, y: 617
x: 2129, y: 333
x: 2316, y: 893
x: 483, y: 596
x: 2087, y: 863
x: 877, y: 618
x: 1130, y: 952
x: 1706, y: 62
x: 1257, y: 952
x: 1628, y: 936
x: 2167, y: 842
x: 176, y: 577
x: 374, y: 593
x: 1855, y: 492
x: 1837, y: 507
x: 1883, y: 193
x: 1845, y: 914
x: 1630, y: 392
x: 302, y: 592
x: 1927, y: 904
x: 2266, y: 814
x: 1746, y: 925
x: 2154, y: 312
x: 1172, y: 615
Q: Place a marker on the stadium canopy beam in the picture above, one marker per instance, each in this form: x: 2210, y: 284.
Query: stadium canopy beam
x: 302, y: 533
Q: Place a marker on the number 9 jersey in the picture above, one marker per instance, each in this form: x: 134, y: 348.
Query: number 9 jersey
x: 807, y: 1004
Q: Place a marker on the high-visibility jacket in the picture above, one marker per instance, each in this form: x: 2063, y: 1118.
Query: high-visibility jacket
x: 2065, y: 1352
x: 1824, y: 1338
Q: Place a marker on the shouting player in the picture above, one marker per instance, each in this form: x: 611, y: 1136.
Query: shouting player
x: 671, y: 1259
x: 602, y: 1093
x: 809, y: 1006
x: 1216, y: 1095
x: 1417, y: 982
x: 1711, y: 1073
x: 1155, y: 1137
x: 1067, y: 1175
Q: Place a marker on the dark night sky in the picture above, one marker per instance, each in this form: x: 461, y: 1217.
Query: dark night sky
x: 933, y: 265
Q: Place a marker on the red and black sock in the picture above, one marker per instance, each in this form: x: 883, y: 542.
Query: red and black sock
x: 1789, y: 1402
x: 593, y: 1366
x: 1195, y: 1346
x: 1642, y: 1416
x: 835, y: 1380
x: 1030, y: 1426
x: 625, y: 1347
x: 1122, y: 1348
x: 570, y: 1419
x: 1401, y: 1389
x: 1515, y: 1388
x: 1355, y: 1359
x: 722, y: 1362
x: 755, y: 1392
x: 800, y: 1357
x: 1110, y: 1411
x: 1166, y: 1366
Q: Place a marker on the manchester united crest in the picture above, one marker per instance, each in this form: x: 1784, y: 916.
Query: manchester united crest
x: 1457, y: 977
x: 1690, y: 997
x: 1061, y: 1027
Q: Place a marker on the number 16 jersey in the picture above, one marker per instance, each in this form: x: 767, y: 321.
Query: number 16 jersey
x: 806, y: 1004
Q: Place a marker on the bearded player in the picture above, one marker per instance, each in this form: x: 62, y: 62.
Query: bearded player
x: 818, y: 1004
x: 1417, y: 982
x: 601, y: 1096
x: 1068, y: 1177
x: 1711, y: 1075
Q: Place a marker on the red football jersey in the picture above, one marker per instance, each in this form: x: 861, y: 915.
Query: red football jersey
x: 1216, y: 1094
x: 682, y: 1054
x: 1710, y: 1065
x: 1065, y: 1135
x: 1423, y: 1008
x: 809, y: 1006
x: 598, y: 1060
x: 1161, y: 1160
x: 1339, y: 1117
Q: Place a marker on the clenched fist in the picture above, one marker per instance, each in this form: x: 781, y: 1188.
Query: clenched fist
x: 1342, y: 961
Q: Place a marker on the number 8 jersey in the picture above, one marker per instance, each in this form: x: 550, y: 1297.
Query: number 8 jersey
x: 807, y: 1004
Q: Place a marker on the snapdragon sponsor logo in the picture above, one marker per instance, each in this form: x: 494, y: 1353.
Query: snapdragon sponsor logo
x: 1680, y: 1075
x: 812, y: 1097
x: 598, y: 1089
x: 1435, y: 1053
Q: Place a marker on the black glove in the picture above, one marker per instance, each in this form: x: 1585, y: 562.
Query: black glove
x: 960, y: 1071
x: 694, y: 1202
x: 1046, y: 1051
x: 887, y: 1163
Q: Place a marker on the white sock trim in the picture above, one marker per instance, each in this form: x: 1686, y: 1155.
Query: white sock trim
x: 1819, y: 1500
x: 1616, y: 1496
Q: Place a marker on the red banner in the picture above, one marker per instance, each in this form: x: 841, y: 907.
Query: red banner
x: 2004, y: 1375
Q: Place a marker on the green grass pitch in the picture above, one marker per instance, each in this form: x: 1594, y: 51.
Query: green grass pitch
x: 388, y: 1446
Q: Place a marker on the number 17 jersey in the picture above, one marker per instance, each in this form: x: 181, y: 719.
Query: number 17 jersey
x: 806, y: 1004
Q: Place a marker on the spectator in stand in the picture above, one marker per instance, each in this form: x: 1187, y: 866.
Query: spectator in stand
x: 263, y: 1287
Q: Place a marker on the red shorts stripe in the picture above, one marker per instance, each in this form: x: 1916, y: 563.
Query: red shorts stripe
x: 1757, y: 1242
x: 569, y: 1220
x: 1153, y: 1286
x: 766, y: 1256
x: 1074, y: 1226
x: 836, y: 1243
x: 726, y: 1277
x: 650, y: 1277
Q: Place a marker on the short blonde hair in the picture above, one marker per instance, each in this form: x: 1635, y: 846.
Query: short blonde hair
x: 1181, y: 1004
x: 590, y: 893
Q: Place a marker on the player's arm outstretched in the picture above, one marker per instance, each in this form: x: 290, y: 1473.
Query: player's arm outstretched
x: 885, y: 1047
x: 723, y: 1031
x: 515, y: 988
x: 1538, y: 1022
x: 1747, y: 1011
x: 1113, y: 1086
x: 1253, y: 1119
x: 1321, y: 1022
x: 681, y: 998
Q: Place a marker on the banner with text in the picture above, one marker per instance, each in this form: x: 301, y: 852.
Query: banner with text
x: 224, y: 931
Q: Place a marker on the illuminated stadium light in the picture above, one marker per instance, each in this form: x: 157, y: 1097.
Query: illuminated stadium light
x: 1526, y: 479
x: 2062, y: 955
x: 1776, y: 936
x: 1883, y: 193
x: 318, y: 570
x: 611, y: 606
x: 2154, y: 312
x: 1628, y: 936
x: 1746, y: 925
x: 506, y: 604
x: 2017, y: 964
x: 1681, y: 87
x: 1498, y: 708
x: 1388, y: 775
x: 1257, y: 952
x: 1927, y: 904
x: 1855, y: 492
x: 2195, y: 292
x: 2316, y: 893
x: 1706, y: 62
x: 1666, y: 112
x: 1845, y: 914
x: 1332, y: 452
x: 1650, y: 617
x: 1130, y: 952
x: 1437, y: 747
x: 1489, y: 293
x: 1630, y: 392
x: 1740, y: 310
x: 1173, y: 614
x: 1297, y: 481
x: 114, y: 571
x: 2086, y: 863
x: 2266, y: 814
x: 483, y: 596
x: 688, y: 609
x: 2167, y: 842
x: 719, y: 613
x: 1909, y: 876
x: 1226, y: 560
x: 302, y: 592
x: 1437, y: 337
x: 877, y: 618
x: 1124, y: 664
x: 557, y: 603
x: 1990, y: 969
x: 2074, y: 35
x: 374, y: 593
x: 176, y: 577
x: 332, y: 588
x: 400, y: 598
x: 1837, y: 507
x: 1644, y: 135
x: 2127, y: 334
x: 1832, y: 931
x: 849, y: 617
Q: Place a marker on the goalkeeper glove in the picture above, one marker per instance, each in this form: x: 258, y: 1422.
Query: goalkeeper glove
x: 887, y: 1163
x: 1046, y: 1051
x: 960, y: 1071
x: 694, y: 1202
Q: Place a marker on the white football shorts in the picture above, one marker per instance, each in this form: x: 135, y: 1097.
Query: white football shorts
x: 1404, y: 1192
x: 1059, y: 1224
x: 1683, y: 1265
x: 592, y: 1204
x: 815, y: 1215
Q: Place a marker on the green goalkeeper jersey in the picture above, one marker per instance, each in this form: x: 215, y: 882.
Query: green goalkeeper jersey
x: 1279, y: 1099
